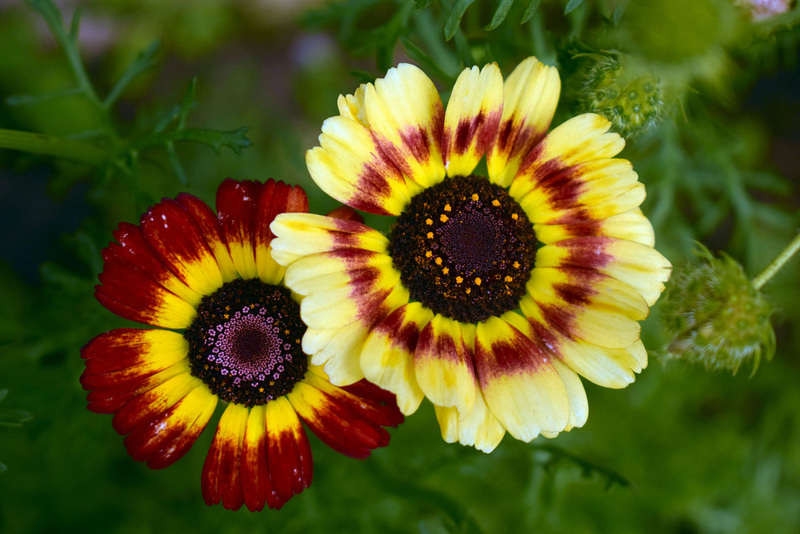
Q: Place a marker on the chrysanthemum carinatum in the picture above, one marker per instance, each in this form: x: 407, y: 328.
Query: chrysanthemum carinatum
x: 227, y: 329
x: 490, y: 295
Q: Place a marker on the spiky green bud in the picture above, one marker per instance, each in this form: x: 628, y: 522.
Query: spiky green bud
x: 630, y: 98
x: 715, y: 316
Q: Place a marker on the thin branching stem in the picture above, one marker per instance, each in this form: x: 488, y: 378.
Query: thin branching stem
x: 778, y: 263
x: 52, y: 145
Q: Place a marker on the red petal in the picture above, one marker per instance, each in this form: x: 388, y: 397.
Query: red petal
x: 289, y: 455
x: 220, y: 479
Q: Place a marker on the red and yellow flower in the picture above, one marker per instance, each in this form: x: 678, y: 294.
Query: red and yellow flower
x: 491, y: 294
x: 226, y: 329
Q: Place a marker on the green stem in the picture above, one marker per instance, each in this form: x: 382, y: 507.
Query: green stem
x: 69, y: 43
x: 51, y: 145
x: 778, y: 263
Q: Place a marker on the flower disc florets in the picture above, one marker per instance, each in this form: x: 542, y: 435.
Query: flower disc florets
x: 464, y: 248
x: 245, y: 342
x: 715, y: 316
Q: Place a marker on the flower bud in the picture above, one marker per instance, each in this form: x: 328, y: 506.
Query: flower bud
x: 715, y: 316
x: 630, y: 98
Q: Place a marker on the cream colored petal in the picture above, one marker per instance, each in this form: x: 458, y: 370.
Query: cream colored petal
x: 530, y: 97
x: 471, y: 119
x: 406, y: 116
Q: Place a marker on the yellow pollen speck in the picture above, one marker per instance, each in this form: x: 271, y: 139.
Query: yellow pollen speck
x: 516, y: 265
x: 508, y: 279
x: 495, y: 203
x: 443, y: 217
x: 226, y: 315
x: 428, y: 254
x: 459, y: 279
x: 445, y: 270
x: 438, y: 261
x: 447, y: 207
x: 469, y: 290
x: 475, y: 196
x: 430, y: 235
x: 477, y: 281
x: 429, y: 221
x: 514, y: 216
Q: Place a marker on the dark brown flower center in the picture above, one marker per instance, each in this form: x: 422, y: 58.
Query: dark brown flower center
x: 245, y: 342
x: 464, y: 248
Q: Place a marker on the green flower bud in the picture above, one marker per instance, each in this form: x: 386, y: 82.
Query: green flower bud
x: 715, y: 316
x: 630, y: 98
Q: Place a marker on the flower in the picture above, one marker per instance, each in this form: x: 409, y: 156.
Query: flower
x: 212, y: 278
x: 490, y: 295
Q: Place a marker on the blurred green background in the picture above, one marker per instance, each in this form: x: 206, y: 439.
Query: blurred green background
x: 681, y: 450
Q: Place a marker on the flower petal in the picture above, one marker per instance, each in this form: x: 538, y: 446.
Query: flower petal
x: 633, y: 226
x: 472, y: 117
x: 530, y: 97
x: 583, y: 192
x: 256, y: 485
x: 128, y: 356
x: 113, y: 396
x: 406, y: 117
x: 337, y: 417
x: 300, y: 235
x: 349, y: 166
x: 352, y: 106
x: 387, y: 358
x: 443, y: 363
x: 586, y: 304
x: 578, y: 403
x: 579, y: 140
x: 221, y: 478
x: 637, y: 265
x: 478, y: 428
x: 208, y: 223
x: 172, y: 232
x: 521, y: 386
x: 607, y: 367
x: 133, y: 251
x: 289, y: 456
x: 149, y: 404
x: 345, y: 286
x: 337, y: 349
x: 163, y: 440
x: 236, y: 212
x: 131, y: 293
x: 274, y: 198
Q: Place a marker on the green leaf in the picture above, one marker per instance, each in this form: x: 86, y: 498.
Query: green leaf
x: 27, y: 100
x: 14, y: 418
x: 454, y: 18
x: 422, y: 4
x: 144, y: 61
x: 571, y: 5
x: 75, y: 25
x: 529, y: 11
x: 499, y: 14
x: 11, y: 417
x: 176, y: 164
x: 618, y: 12
x: 188, y: 104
